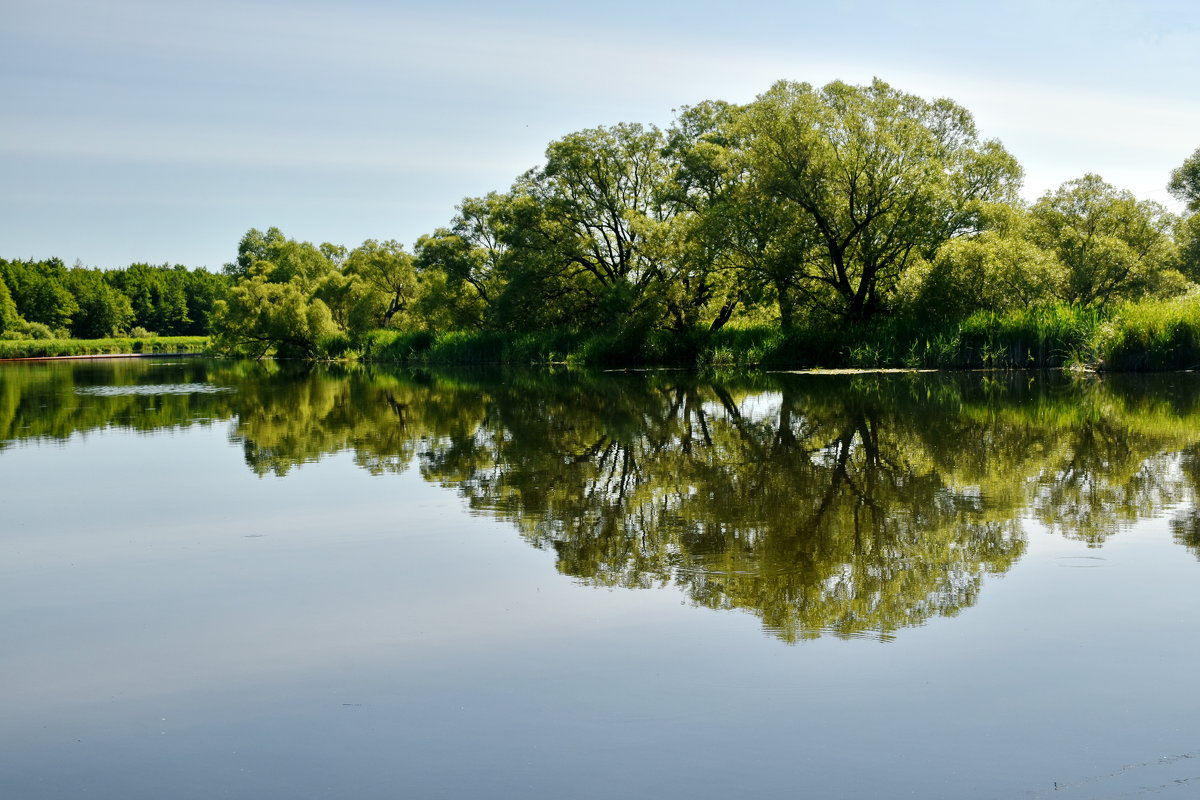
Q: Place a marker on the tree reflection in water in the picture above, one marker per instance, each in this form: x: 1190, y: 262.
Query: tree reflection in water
x: 850, y: 505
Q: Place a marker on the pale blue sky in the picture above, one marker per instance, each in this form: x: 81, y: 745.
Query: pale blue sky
x: 140, y: 130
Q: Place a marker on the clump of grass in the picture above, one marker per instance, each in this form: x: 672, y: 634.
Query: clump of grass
x: 1049, y: 336
x: 1152, y: 335
x: 48, y: 348
x: 336, y: 347
x: 470, y: 347
x: 740, y: 347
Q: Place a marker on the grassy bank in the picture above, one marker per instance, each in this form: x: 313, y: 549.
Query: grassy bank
x: 1152, y: 336
x: 1155, y: 335
x: 46, y: 348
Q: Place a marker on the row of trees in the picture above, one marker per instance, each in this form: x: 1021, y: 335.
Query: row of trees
x: 290, y: 295
x: 44, y: 299
x: 808, y: 206
x: 840, y: 203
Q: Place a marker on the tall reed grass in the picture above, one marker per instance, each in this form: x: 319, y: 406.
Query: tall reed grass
x: 1153, y: 335
x: 49, y: 348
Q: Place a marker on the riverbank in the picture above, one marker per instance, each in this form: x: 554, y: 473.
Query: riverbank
x: 1150, y: 336
x: 19, y: 349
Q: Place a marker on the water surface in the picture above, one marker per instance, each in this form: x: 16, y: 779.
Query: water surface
x: 246, y: 579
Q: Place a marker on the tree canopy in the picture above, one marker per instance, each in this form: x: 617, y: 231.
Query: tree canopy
x: 808, y: 208
x: 880, y: 179
x: 1185, y: 182
x: 1110, y: 244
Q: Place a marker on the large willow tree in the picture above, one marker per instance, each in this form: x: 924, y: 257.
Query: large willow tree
x: 879, y: 179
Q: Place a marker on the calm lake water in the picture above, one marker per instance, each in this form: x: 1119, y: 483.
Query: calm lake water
x: 253, y: 580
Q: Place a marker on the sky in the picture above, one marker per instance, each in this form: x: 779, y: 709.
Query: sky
x: 160, y: 131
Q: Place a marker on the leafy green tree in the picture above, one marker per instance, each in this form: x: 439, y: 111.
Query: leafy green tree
x: 880, y: 180
x: 281, y: 259
x: 999, y: 269
x: 103, y: 310
x: 255, y: 246
x: 1185, y: 182
x: 292, y: 298
x: 170, y: 300
x: 335, y: 254
x: 9, y: 318
x: 39, y: 288
x: 1185, y: 187
x: 202, y: 290
x: 295, y: 261
x: 388, y: 273
x: 259, y: 317
x: 281, y: 301
x: 463, y: 265
x: 1187, y: 238
x: 706, y: 277
x: 157, y: 295
x: 1111, y: 245
x: 577, y: 226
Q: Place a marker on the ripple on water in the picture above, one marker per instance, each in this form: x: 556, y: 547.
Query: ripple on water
x: 152, y: 389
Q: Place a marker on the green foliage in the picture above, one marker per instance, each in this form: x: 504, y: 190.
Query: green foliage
x: 174, y: 301
x: 1111, y: 245
x: 475, y: 347
x: 1185, y: 182
x: 835, y: 226
x: 103, y: 311
x: 280, y: 260
x: 294, y: 300
x: 1187, y: 238
x: 9, y: 318
x: 158, y: 297
x: 574, y: 231
x: 389, y: 279
x: 878, y: 180
x: 94, y: 303
x: 1146, y: 335
x: 260, y: 317
x: 1152, y: 335
x: 462, y: 267
x: 31, y: 330
x: 40, y: 291
x: 49, y: 346
x: 255, y: 246
x: 999, y: 269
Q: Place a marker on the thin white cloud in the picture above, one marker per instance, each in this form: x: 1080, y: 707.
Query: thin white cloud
x: 184, y: 144
x: 437, y: 99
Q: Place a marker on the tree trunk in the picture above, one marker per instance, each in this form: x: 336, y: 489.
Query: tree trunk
x: 787, y: 306
x: 723, y: 316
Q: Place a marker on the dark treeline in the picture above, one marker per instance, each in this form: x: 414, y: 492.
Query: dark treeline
x: 861, y: 224
x: 46, y: 299
x: 856, y: 505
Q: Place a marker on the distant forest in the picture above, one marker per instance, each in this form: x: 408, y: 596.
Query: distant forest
x: 810, y: 208
x: 46, y: 299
